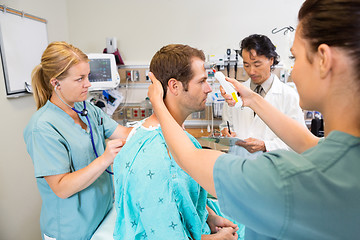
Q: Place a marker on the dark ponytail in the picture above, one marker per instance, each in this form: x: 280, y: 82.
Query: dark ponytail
x: 332, y: 22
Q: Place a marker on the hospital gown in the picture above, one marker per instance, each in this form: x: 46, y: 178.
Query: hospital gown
x: 154, y: 197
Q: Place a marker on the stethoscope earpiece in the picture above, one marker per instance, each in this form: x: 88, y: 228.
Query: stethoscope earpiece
x: 57, y: 84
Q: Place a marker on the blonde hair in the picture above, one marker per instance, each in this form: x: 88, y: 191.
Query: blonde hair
x: 56, y: 60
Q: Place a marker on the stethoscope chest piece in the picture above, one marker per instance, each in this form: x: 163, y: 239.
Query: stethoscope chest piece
x: 84, y: 112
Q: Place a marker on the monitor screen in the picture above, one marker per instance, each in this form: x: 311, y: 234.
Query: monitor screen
x: 100, y: 70
x: 103, y: 71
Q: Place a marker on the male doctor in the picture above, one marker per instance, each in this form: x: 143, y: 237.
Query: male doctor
x: 259, y: 59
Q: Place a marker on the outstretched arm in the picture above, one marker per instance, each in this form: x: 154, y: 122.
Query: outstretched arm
x: 198, y: 163
x: 290, y: 131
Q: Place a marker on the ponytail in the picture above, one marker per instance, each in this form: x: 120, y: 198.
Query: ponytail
x: 41, y: 88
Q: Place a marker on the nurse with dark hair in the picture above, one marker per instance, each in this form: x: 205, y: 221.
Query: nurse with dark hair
x: 312, y: 193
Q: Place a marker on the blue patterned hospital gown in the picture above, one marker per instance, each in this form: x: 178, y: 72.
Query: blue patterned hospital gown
x: 154, y: 197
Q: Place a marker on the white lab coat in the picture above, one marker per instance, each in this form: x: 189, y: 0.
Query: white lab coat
x: 243, y: 122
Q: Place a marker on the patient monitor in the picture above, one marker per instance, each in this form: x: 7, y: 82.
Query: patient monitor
x: 103, y: 71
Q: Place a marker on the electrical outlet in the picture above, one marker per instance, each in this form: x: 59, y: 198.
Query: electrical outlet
x: 147, y: 79
x: 136, y: 75
x: 121, y: 114
x: 135, y: 112
x: 129, y: 75
x: 142, y: 113
x: 128, y: 113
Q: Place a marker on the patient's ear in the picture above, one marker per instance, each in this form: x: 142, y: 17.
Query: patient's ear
x: 174, y: 86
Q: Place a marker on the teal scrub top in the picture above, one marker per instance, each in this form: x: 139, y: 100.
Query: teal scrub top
x: 57, y: 145
x: 285, y: 195
x: 154, y: 198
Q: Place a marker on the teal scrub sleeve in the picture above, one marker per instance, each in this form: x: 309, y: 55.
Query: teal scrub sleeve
x: 49, y: 153
x: 252, y: 193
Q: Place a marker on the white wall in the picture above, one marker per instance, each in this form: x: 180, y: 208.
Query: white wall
x: 20, y: 201
x: 141, y: 27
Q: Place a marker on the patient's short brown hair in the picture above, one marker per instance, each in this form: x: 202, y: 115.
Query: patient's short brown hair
x: 174, y: 61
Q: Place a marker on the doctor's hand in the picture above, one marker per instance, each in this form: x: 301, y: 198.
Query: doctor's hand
x: 225, y: 133
x: 245, y: 93
x: 155, y: 90
x: 112, y: 149
x: 252, y: 145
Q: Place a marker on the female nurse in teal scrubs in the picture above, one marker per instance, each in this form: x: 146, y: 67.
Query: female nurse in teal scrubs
x: 76, y: 191
x: 312, y: 193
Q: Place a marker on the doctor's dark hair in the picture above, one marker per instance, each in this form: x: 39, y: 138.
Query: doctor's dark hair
x: 262, y: 46
x: 174, y: 61
x: 332, y: 22
x: 56, y: 60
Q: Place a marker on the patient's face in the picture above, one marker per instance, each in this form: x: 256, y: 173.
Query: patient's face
x: 194, y: 98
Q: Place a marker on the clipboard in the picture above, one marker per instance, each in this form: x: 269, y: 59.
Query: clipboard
x: 226, y: 141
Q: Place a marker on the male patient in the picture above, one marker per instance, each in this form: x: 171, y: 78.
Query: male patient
x: 154, y: 197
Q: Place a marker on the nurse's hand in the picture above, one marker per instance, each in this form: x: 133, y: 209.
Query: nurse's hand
x: 112, y: 149
x: 245, y: 93
x: 228, y: 98
x: 216, y: 223
x: 252, y: 145
x: 226, y: 233
x: 155, y: 90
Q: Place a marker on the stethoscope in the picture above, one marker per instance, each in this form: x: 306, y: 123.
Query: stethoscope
x: 83, y: 113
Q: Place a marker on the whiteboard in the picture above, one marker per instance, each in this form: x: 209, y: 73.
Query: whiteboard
x: 23, y: 40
